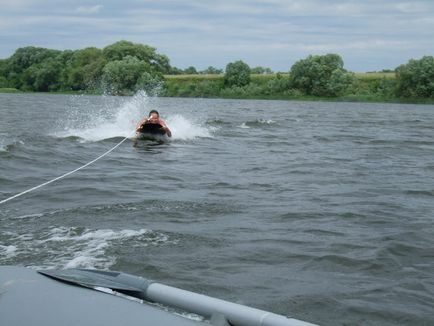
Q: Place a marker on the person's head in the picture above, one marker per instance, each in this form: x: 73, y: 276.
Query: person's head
x: 154, y: 114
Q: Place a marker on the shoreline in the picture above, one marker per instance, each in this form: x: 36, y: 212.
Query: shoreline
x: 303, y: 98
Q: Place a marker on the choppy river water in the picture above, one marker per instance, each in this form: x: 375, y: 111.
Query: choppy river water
x: 321, y: 211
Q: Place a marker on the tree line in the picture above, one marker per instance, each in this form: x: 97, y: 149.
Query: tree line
x: 125, y: 67
x: 119, y: 68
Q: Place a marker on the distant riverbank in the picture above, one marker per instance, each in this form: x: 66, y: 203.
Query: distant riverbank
x: 369, y: 87
x: 124, y: 68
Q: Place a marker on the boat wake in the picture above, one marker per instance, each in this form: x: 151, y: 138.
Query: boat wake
x: 72, y: 247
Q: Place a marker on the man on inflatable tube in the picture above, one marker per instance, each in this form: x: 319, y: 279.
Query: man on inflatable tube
x: 154, y: 118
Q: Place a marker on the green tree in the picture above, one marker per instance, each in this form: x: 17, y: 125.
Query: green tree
x: 237, y: 74
x: 84, y: 69
x: 48, y: 76
x: 175, y: 71
x: 261, y: 70
x: 190, y: 71
x: 320, y: 75
x: 212, y: 71
x: 3, y: 82
x: 146, y: 53
x: 121, y: 76
x: 278, y: 84
x: 24, y: 58
x: 121, y: 65
x: 42, y: 77
x: 3, y: 79
x: 416, y: 78
x: 3, y: 65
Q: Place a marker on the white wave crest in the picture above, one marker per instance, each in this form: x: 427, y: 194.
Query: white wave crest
x: 8, y: 251
x: 70, y: 247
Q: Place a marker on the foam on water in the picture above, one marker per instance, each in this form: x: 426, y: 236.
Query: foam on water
x: 114, y: 120
x: 243, y: 126
x: 259, y: 122
x: 29, y: 216
x: 69, y: 247
x: 8, y: 251
x: 266, y: 121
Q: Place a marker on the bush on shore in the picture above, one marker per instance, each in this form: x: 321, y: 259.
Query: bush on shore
x: 416, y: 78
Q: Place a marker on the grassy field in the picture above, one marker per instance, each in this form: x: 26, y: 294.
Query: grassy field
x: 198, y: 76
x: 9, y: 90
x: 375, y: 75
x: 363, y: 75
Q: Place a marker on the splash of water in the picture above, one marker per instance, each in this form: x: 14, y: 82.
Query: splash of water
x: 185, y: 129
x: 243, y: 126
x: 114, y: 120
x: 4, y: 143
x: 106, y: 122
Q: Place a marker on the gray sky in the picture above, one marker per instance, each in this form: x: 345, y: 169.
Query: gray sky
x: 369, y: 35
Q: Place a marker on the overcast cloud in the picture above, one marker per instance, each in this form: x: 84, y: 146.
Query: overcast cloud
x: 369, y: 35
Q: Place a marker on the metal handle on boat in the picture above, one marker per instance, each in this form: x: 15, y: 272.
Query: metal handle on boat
x: 236, y: 314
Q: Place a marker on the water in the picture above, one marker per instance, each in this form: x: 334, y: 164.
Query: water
x: 321, y: 211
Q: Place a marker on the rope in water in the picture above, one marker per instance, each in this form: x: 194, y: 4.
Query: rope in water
x: 66, y: 174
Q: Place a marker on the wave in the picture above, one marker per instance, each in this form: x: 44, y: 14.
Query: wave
x: 258, y: 123
x: 8, y: 251
x: 243, y: 126
x: 70, y: 247
x: 217, y: 122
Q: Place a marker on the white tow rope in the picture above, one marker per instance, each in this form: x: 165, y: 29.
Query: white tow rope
x: 66, y: 174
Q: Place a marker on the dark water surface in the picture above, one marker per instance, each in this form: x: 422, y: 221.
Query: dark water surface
x: 321, y: 211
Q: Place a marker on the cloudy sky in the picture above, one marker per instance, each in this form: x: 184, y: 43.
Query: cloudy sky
x: 369, y: 35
